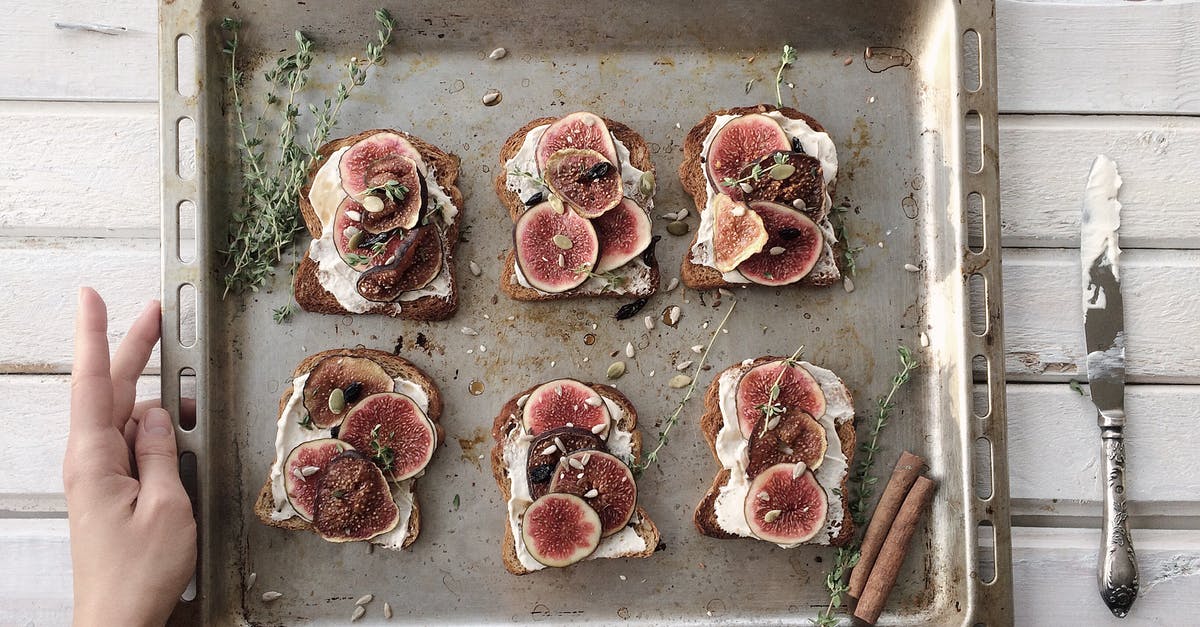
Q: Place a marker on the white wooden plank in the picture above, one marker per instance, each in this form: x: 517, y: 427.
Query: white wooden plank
x: 42, y: 62
x: 1044, y: 162
x: 35, y: 573
x: 1098, y: 57
x: 1043, y: 324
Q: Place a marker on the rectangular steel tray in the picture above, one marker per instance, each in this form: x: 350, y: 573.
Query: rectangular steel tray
x: 905, y: 136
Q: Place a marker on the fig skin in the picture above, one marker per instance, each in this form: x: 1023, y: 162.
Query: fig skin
x: 798, y: 391
x: 560, y: 529
x: 738, y: 233
x: 340, y: 371
x: 353, y: 500
x: 800, y: 501
x: 566, y: 173
x: 376, y: 160
x: 624, y: 233
x: 341, y: 222
x: 616, y: 497
x: 807, y: 183
x: 741, y: 141
x: 581, y: 129
x: 302, y: 491
x: 417, y: 260
x: 798, y: 432
x: 402, y: 427
x: 573, y: 439
x: 548, y: 408
x: 801, y: 252
x: 538, y: 255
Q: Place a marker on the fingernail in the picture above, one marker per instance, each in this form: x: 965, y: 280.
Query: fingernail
x: 156, y: 422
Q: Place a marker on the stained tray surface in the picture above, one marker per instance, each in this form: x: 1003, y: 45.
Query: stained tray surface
x: 659, y: 68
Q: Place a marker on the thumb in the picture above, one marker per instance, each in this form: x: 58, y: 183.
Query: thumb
x: 156, y: 454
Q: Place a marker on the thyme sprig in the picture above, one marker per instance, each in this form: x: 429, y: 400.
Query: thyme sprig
x: 612, y: 280
x: 391, y: 189
x: 786, y: 59
x: 382, y: 455
x: 862, y: 484
x: 284, y: 313
x: 663, y: 436
x: 531, y: 176
x: 265, y: 224
x: 771, y: 408
x: 757, y: 171
x: 850, y: 254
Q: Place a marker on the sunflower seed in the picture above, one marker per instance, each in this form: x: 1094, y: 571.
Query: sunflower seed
x: 674, y: 283
x: 587, y: 457
x: 697, y: 348
x: 673, y: 313
x: 911, y: 268
x: 763, y: 496
x: 562, y: 260
x: 358, y: 613
x: 598, y: 428
x: 649, y: 322
x: 354, y: 215
x: 549, y: 450
x: 521, y: 401
x: 271, y: 595
x: 799, y: 470
x: 497, y: 54
x: 594, y: 401
x: 777, y: 250
x: 679, y: 381
x: 559, y: 443
x: 337, y: 401
x: 773, y: 515
x: 747, y: 188
x: 575, y: 463
x: 365, y: 599
x: 469, y: 331
x: 591, y: 494
x: 924, y: 340
x: 373, y: 204
x: 670, y: 215
x: 847, y: 284
x: 615, y: 370
x: 250, y: 580
x: 629, y: 350
x: 683, y: 365
x: 309, y: 471
x: 682, y: 214
x: 562, y: 241
x: 678, y: 228
x: 482, y: 348
x: 799, y: 204
x: 491, y: 98
x: 387, y: 610
x: 787, y: 450
x: 475, y: 269
x: 646, y: 184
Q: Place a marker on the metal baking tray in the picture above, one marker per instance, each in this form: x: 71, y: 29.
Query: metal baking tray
x: 914, y: 144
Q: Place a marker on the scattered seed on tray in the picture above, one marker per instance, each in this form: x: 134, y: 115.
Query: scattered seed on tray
x: 497, y: 54
x: 629, y: 350
x: 911, y: 268
x: 475, y: 269
x: 387, y: 610
x: 674, y: 283
x: 469, y: 331
x: 683, y: 365
x: 492, y: 98
x: 254, y: 577
x: 358, y: 613
x: 271, y: 595
x: 365, y: 599
x: 847, y: 284
x: 649, y: 322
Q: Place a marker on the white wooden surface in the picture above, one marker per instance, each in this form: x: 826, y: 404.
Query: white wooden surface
x: 1136, y: 63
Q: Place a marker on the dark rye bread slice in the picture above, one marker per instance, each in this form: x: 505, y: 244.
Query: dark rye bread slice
x: 395, y: 367
x: 312, y: 296
x: 509, y: 419
x: 710, y: 424
x: 639, y: 157
x: 693, y: 177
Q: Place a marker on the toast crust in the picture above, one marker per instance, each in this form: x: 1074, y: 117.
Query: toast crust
x: 309, y: 292
x: 395, y: 367
x: 639, y: 157
x: 509, y: 419
x: 691, y: 174
x: 705, y: 517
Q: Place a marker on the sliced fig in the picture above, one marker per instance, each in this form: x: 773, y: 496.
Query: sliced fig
x: 387, y: 167
x: 794, y: 245
x: 604, y: 482
x: 415, y: 262
x: 560, y: 529
x: 353, y: 500
x: 738, y: 233
x: 544, y: 453
x: 359, y: 248
x: 563, y: 403
x: 805, y: 180
x: 741, y: 141
x: 578, y: 130
x: 786, y: 505
x: 303, y: 469
x: 555, y: 251
x: 393, y: 430
x: 798, y: 392
x: 585, y: 180
x: 624, y: 233
x: 794, y: 437
x: 340, y: 372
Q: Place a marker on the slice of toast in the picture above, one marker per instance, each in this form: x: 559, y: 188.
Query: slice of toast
x: 396, y: 367
x: 705, y: 516
x: 309, y: 292
x: 509, y: 419
x: 639, y: 157
x: 693, y: 177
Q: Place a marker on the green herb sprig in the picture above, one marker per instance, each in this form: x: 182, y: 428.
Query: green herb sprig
x: 780, y: 168
x: 771, y: 408
x: 391, y: 189
x: 786, y: 59
x: 382, y: 455
x: 850, y: 254
x: 612, y: 280
x: 663, y: 436
x: 863, y: 482
x: 284, y: 313
x: 306, y: 422
x: 266, y: 223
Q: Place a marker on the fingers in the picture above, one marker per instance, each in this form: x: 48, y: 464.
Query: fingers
x: 91, y: 386
x: 130, y: 360
x: 157, y: 459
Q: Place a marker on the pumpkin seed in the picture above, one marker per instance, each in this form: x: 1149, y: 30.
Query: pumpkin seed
x: 559, y: 443
x: 680, y: 381
x: 646, y: 184
x: 678, y: 228
x: 373, y: 204
x: 556, y: 203
x: 497, y: 54
x: 773, y: 515
x: 615, y: 370
x: 337, y: 401
x: 781, y: 171
x: 697, y: 348
x: 562, y: 241
x: 355, y: 238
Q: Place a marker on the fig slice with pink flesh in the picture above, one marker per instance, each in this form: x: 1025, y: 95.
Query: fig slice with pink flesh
x: 386, y: 167
x: 393, y: 430
x: 798, y: 391
x: 304, y: 467
x: 623, y: 233
x: 353, y: 500
x: 738, y: 233
x: 360, y: 249
x: 603, y: 481
x: 544, y: 454
x: 794, y: 245
x: 555, y: 251
x: 578, y: 130
x: 563, y: 403
x: 739, y: 142
x: 786, y: 505
x: 354, y: 378
x: 794, y: 437
x: 560, y: 529
x: 585, y: 180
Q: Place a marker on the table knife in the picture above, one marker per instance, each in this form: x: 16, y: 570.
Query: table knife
x: 1104, y: 331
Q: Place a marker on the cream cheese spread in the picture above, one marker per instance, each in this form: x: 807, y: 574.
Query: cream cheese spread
x: 338, y: 278
x: 733, y: 451
x: 816, y: 144
x: 289, y: 434
x: 516, y: 455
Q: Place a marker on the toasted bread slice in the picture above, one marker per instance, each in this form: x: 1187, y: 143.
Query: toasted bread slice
x: 396, y: 367
x: 639, y: 157
x: 309, y: 292
x: 693, y: 177
x: 705, y: 516
x: 509, y: 419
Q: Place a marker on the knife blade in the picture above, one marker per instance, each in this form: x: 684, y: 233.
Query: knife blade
x: 1104, y: 333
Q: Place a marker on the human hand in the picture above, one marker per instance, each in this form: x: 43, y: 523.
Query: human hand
x: 133, y: 536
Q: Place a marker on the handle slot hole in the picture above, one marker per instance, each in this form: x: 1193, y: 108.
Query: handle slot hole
x: 984, y: 482
x: 185, y: 153
x: 185, y: 66
x: 977, y: 295
x: 189, y: 473
x: 187, y: 315
x: 186, y: 411
x: 971, y: 61
x: 185, y: 231
x: 976, y: 222
x: 983, y: 374
x: 985, y: 552
x: 973, y: 142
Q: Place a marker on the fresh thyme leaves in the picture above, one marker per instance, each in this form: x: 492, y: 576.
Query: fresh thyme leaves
x: 1075, y: 387
x: 284, y: 313
x: 531, y: 176
x: 787, y: 58
x: 391, y: 189
x: 382, y: 455
x: 356, y: 259
x: 306, y: 421
x: 780, y: 169
x: 862, y: 485
x: 771, y: 408
x: 457, y: 501
x: 663, y: 435
x: 266, y: 223
x: 850, y: 254
x: 612, y: 280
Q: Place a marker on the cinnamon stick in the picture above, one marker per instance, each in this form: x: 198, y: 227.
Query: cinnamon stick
x: 895, y: 548
x: 907, y: 469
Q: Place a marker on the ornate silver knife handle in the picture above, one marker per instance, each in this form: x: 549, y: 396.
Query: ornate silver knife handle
x: 1118, y: 574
